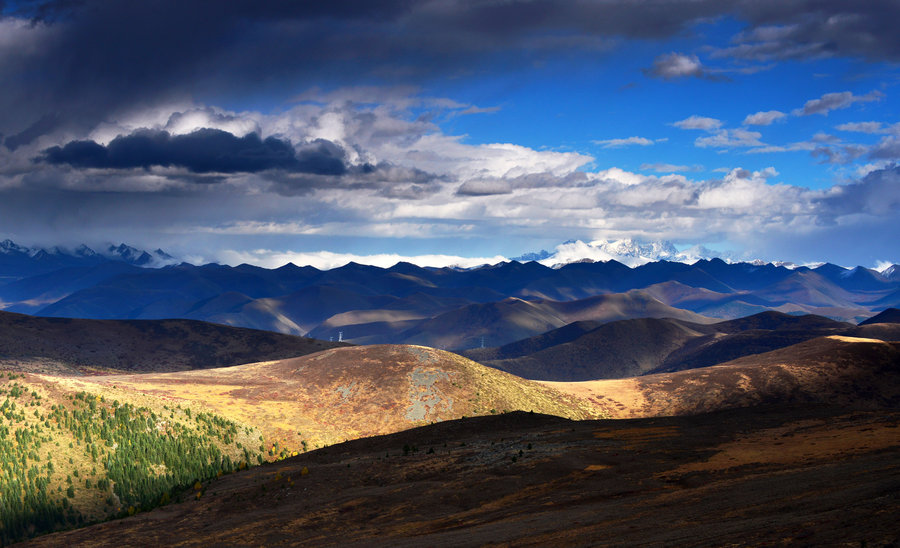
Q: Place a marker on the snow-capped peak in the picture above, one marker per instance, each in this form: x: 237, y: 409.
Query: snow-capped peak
x: 122, y: 252
x: 628, y: 251
x: 9, y: 246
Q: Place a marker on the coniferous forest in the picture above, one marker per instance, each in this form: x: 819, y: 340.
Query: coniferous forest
x: 74, y: 458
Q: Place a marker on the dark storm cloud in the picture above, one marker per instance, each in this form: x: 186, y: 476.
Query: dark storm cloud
x: 387, y: 179
x: 92, y: 58
x: 803, y: 29
x: 202, y: 151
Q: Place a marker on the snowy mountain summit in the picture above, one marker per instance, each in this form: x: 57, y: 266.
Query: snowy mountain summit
x: 17, y: 261
x: 627, y: 251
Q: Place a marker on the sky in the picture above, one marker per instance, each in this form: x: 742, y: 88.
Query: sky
x: 452, y: 131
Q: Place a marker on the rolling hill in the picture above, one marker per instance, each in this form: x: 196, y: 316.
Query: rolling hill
x: 345, y: 393
x: 834, y: 369
x: 73, y: 346
x: 88, y: 448
x: 614, y: 350
x: 771, y: 476
x: 586, y: 351
x: 513, y: 319
x: 275, y: 409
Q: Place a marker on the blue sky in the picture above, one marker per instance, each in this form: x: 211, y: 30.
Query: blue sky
x: 443, y: 130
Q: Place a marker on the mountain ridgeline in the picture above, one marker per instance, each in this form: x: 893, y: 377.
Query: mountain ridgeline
x: 442, y: 307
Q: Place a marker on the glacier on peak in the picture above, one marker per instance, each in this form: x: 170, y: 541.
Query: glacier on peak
x: 628, y: 251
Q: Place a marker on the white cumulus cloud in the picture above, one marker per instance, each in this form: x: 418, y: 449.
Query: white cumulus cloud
x: 698, y: 122
x: 616, y: 143
x: 764, y: 118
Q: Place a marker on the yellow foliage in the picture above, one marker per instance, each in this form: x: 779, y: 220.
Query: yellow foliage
x: 131, y: 510
x: 198, y: 486
x: 304, y: 471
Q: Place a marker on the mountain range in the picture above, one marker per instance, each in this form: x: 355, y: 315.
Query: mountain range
x: 442, y: 307
x: 17, y: 262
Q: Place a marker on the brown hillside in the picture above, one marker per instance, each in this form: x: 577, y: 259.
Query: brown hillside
x: 584, y: 351
x: 835, y: 369
x: 763, y: 477
x: 347, y: 393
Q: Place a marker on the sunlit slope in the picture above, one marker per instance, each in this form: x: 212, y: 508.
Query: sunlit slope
x: 69, y: 456
x: 351, y: 392
x: 835, y: 369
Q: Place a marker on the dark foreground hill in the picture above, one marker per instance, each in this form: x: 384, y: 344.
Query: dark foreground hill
x: 778, y: 475
x: 73, y: 346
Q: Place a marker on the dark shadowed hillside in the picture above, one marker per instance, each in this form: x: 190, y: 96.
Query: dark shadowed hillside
x: 890, y: 315
x: 614, y: 350
x: 63, y: 345
x: 514, y: 319
x: 584, y: 351
x: 812, y: 476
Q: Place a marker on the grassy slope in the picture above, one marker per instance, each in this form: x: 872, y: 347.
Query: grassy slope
x: 353, y: 392
x: 328, y: 397
x: 69, y: 456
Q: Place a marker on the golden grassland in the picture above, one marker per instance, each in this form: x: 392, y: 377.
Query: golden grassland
x: 336, y: 395
x: 276, y: 409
